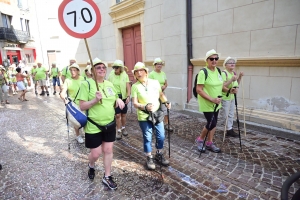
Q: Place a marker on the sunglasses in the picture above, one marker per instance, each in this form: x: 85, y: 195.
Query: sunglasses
x: 99, y: 67
x: 212, y: 59
x: 115, y: 67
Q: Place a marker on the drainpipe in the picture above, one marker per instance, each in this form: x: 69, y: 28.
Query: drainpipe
x: 189, y: 48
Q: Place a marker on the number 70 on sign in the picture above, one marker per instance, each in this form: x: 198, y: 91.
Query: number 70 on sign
x: 79, y: 18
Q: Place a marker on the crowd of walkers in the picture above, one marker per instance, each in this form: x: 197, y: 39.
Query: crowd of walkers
x: 104, y: 98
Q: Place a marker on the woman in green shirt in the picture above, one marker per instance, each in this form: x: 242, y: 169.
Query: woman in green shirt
x: 100, y: 130
x: 158, y: 74
x: 146, y: 96
x: 3, y: 85
x: 230, y: 81
x: 209, y: 89
x: 120, y: 80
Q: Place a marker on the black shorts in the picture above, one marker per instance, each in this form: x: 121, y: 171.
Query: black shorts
x: 95, y: 140
x: 118, y: 110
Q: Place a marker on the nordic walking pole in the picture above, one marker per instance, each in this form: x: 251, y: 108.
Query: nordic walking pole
x: 237, y: 120
x: 68, y: 129
x: 169, y: 139
x: 244, y: 107
x: 212, y: 118
x: 93, y: 71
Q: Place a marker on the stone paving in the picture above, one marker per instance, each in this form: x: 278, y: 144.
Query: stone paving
x: 38, y: 165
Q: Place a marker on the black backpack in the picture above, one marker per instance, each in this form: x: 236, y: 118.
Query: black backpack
x: 195, y: 81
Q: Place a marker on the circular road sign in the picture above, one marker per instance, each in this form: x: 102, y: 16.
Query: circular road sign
x: 79, y: 18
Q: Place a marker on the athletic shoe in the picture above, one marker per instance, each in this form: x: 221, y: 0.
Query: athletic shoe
x: 54, y: 92
x: 91, y: 173
x: 231, y: 133
x: 42, y: 94
x: 47, y: 93
x: 119, y: 135
x: 36, y: 93
x: 79, y: 139
x: 159, y: 157
x: 109, y: 182
x: 212, y: 147
x: 200, y: 145
x: 150, y: 164
x: 124, y: 132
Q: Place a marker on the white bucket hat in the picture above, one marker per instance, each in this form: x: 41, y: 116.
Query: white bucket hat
x: 158, y: 60
x: 97, y: 61
x: 139, y: 65
x: 118, y: 63
x: 210, y: 53
x: 227, y: 59
x: 75, y: 65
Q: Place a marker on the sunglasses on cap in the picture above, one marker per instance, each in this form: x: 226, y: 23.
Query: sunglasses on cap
x: 115, y: 67
x: 212, y: 59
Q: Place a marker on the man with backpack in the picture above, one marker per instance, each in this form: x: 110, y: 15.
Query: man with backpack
x: 55, y: 73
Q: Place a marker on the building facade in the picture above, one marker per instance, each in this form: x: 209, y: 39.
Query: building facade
x: 264, y: 35
x: 16, y: 32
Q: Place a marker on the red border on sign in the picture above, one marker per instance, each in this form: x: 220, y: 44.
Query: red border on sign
x: 72, y: 33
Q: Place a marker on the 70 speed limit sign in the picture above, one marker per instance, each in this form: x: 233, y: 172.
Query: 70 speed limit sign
x: 79, y: 18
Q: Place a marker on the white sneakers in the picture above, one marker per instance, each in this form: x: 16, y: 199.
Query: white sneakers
x: 79, y: 139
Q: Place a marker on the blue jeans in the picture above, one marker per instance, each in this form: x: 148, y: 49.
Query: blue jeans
x: 56, y: 80
x: 146, y: 127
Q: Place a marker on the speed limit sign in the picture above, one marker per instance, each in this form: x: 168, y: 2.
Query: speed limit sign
x: 79, y: 18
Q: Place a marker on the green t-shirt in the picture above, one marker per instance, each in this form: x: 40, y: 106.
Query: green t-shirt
x: 73, y: 86
x: 212, y: 86
x: 2, y: 81
x: 12, y: 74
x: 32, y: 71
x: 116, y: 83
x: 161, y: 77
x: 40, y: 73
x: 146, y: 94
x: 119, y: 82
x: 101, y: 114
x: 233, y: 84
x: 66, y: 72
x: 54, y: 72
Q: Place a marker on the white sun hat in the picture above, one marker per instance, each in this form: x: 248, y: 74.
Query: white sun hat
x: 210, y: 53
x: 227, y: 59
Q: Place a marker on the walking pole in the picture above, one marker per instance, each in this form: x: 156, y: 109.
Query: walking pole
x: 244, y: 108
x: 212, y: 118
x: 93, y: 71
x: 237, y: 120
x: 169, y: 136
x: 131, y: 98
x: 68, y: 129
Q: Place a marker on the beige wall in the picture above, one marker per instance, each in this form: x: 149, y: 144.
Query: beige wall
x: 254, y: 29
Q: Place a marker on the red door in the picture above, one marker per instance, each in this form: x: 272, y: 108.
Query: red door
x: 132, y: 47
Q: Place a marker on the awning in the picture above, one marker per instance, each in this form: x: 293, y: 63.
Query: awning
x: 12, y: 48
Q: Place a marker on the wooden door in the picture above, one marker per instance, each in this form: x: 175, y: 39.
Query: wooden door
x: 132, y: 47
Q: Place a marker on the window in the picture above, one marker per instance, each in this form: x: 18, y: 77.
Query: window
x: 6, y: 20
x: 29, y: 58
x: 118, y: 1
x: 27, y: 26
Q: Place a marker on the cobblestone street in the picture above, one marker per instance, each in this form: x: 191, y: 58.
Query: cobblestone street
x: 38, y: 165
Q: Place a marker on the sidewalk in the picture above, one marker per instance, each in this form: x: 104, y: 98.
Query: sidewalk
x: 38, y: 165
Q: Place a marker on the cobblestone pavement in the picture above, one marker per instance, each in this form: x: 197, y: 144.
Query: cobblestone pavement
x: 38, y: 165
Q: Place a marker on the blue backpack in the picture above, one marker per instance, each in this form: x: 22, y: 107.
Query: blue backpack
x: 74, y: 114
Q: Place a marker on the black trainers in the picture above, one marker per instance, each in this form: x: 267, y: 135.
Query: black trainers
x: 159, y: 157
x: 231, y: 133
x: 54, y: 92
x: 150, y: 164
x: 43, y: 93
x: 109, y: 182
x: 47, y: 93
x: 91, y: 173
